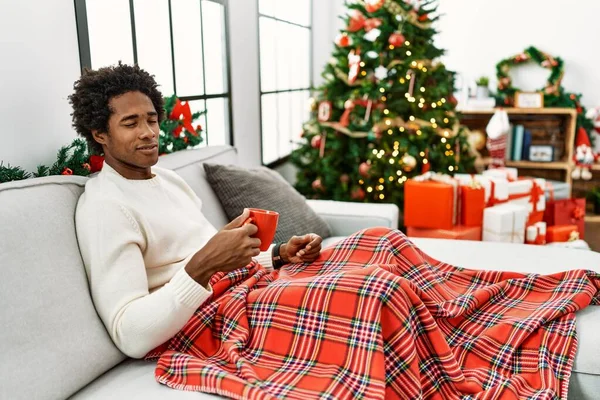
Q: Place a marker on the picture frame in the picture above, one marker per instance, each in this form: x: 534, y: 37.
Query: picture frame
x: 529, y: 100
x: 541, y: 153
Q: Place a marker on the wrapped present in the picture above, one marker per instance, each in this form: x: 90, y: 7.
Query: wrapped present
x: 431, y: 201
x: 529, y: 192
x: 505, y: 223
x: 510, y: 174
x: 566, y: 212
x: 536, y: 234
x: 472, y: 204
x: 562, y: 233
x: 458, y: 233
x: 555, y: 190
x: 496, y: 190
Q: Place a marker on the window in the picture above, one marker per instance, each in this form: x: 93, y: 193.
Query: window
x: 285, y: 74
x: 182, y: 42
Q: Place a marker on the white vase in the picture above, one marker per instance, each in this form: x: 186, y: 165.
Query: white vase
x: 482, y: 92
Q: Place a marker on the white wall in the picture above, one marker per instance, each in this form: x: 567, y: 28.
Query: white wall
x: 39, y: 60
x: 478, y: 34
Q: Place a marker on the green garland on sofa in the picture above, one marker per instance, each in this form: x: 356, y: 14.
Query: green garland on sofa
x: 554, y: 94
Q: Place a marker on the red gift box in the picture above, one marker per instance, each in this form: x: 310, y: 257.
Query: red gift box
x: 562, y: 233
x: 472, y: 204
x: 429, y: 203
x: 457, y: 233
x: 566, y: 212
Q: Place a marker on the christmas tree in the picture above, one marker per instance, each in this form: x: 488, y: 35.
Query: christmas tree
x: 385, y: 112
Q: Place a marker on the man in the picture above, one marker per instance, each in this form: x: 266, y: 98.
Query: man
x: 148, y: 249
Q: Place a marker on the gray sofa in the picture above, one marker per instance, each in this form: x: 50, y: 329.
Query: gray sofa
x: 53, y: 345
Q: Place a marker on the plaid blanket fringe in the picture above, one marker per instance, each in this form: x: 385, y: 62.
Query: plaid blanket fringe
x: 374, y: 317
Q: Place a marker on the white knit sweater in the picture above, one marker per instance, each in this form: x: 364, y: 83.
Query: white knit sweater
x: 136, y: 237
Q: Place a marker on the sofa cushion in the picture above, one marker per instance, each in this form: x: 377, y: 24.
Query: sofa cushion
x: 188, y: 165
x: 134, y: 379
x: 261, y: 187
x: 51, y: 338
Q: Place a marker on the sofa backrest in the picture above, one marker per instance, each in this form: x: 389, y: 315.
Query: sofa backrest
x: 188, y: 165
x: 52, y: 342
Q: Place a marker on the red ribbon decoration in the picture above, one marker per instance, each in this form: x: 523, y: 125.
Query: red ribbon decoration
x: 349, y: 106
x: 96, y: 163
x: 184, y: 110
x: 578, y: 213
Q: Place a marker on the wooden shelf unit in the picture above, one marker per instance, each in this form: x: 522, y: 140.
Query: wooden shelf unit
x: 566, y: 117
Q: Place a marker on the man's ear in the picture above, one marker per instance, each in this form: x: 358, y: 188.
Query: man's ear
x: 99, y: 137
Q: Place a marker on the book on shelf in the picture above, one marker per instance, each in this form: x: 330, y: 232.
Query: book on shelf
x: 526, y: 145
x: 517, y: 142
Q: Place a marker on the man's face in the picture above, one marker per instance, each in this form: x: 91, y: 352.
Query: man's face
x: 133, y: 129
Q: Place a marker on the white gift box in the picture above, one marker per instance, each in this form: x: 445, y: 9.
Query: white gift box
x: 505, y: 223
x: 512, y: 174
x: 524, y: 188
x: 500, y: 186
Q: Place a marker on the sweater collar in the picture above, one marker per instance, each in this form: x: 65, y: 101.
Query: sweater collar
x: 110, y: 171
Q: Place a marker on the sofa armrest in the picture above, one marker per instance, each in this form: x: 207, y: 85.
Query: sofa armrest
x: 345, y: 218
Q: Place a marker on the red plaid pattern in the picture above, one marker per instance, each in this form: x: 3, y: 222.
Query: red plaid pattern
x: 374, y: 317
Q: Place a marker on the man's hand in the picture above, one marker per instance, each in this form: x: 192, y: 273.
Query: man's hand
x: 301, y: 248
x: 231, y: 248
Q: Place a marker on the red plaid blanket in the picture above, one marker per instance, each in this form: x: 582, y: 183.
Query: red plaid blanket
x: 376, y: 318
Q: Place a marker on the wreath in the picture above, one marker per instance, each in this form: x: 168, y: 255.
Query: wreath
x: 554, y: 93
x: 552, y: 90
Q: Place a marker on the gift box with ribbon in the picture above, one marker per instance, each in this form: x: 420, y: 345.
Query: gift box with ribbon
x: 431, y: 201
x: 496, y: 190
x: 529, y: 192
x: 510, y: 174
x: 472, y: 204
x: 566, y: 212
x: 457, y: 233
x: 562, y: 233
x: 505, y: 223
x: 536, y: 233
x: 556, y: 190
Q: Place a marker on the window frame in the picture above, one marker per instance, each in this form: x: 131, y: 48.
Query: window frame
x: 310, y: 88
x: 85, y: 58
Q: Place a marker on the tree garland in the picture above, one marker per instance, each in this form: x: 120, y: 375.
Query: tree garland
x: 554, y: 93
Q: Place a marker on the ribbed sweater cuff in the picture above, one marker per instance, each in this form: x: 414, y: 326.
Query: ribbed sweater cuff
x: 265, y: 258
x: 189, y: 292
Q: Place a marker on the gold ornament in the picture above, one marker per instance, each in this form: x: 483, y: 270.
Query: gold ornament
x: 312, y: 104
x: 409, y: 162
x: 477, y: 139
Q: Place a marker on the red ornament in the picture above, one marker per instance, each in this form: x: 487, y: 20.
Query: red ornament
x: 452, y: 100
x: 344, y: 178
x: 358, y: 194
x: 363, y: 170
x: 423, y: 18
x: 373, y: 5
x: 96, y: 163
x: 199, y: 128
x: 86, y: 166
x: 396, y: 39
x: 315, y: 142
x: 356, y: 22
x: 372, y: 23
x: 343, y: 40
x: 185, y: 140
x: 317, y: 185
x: 324, y: 112
x: 67, y: 171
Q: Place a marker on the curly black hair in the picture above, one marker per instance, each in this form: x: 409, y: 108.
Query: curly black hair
x: 95, y: 88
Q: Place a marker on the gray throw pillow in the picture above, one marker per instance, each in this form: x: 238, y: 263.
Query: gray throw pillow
x: 238, y: 188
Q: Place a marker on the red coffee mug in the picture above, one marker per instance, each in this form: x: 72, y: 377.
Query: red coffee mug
x: 266, y: 222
